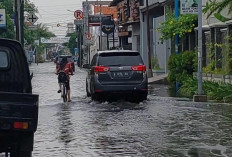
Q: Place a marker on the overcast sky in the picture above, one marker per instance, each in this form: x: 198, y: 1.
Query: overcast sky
x: 53, y: 12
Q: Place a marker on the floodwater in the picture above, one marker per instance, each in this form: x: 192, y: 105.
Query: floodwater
x: 162, y: 126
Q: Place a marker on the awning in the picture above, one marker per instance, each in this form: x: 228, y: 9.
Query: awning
x: 115, y: 2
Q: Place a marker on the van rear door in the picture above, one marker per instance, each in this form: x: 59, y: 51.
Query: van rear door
x: 120, y: 68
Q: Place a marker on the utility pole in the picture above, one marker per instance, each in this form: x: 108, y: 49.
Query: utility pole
x: 150, y: 73
x: 200, y: 97
x: 16, y: 20
x: 19, y: 18
x: 80, y: 51
x: 177, y: 35
x: 22, y: 22
x: 199, y: 73
x: 100, y: 27
x: 86, y: 29
x: 79, y: 35
x: 176, y: 16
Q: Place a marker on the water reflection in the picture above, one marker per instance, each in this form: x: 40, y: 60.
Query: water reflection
x: 66, y: 134
x: 160, y: 90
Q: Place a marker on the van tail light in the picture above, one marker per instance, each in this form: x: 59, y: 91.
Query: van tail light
x: 99, y: 69
x: 21, y: 125
x: 139, y: 68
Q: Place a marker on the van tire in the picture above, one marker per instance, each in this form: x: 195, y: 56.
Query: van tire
x: 142, y: 96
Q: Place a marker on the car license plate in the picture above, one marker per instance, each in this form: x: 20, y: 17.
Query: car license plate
x: 120, y: 74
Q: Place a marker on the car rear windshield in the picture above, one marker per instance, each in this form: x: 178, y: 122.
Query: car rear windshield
x: 3, y: 59
x: 120, y: 59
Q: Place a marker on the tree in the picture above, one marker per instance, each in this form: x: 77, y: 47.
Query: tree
x: 72, y: 42
x: 8, y: 31
x: 30, y: 7
x: 215, y: 7
x: 32, y: 35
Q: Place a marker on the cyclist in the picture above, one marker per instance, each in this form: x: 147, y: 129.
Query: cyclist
x: 66, y: 67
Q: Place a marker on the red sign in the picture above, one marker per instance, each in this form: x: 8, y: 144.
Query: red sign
x: 88, y: 35
x: 78, y: 14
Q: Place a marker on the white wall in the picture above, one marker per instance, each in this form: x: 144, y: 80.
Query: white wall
x: 136, y: 37
x: 212, y: 19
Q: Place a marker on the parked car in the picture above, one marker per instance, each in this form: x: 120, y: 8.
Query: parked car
x: 116, y: 71
x: 70, y: 60
x: 18, y: 106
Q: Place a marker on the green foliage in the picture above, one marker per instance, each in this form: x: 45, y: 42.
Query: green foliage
x: 210, y: 67
x: 220, y: 17
x: 214, y: 90
x: 30, y: 7
x: 227, y: 54
x: 32, y: 35
x: 188, y: 88
x: 215, y: 7
x: 154, y: 63
x: 181, y: 66
x: 182, y: 25
x: 72, y: 42
x: 8, y: 5
x: 7, y: 32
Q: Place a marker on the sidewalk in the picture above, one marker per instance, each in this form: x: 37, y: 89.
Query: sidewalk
x: 158, y: 79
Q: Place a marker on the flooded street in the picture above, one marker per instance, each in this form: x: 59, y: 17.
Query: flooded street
x: 160, y: 126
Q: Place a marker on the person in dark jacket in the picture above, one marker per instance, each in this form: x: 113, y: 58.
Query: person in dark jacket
x: 66, y: 67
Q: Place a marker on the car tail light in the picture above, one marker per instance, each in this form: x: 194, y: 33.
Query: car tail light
x: 101, y: 69
x: 139, y: 68
x: 21, y: 125
x: 98, y: 90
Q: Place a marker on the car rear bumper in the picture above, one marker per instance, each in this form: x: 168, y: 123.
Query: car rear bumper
x: 125, y: 88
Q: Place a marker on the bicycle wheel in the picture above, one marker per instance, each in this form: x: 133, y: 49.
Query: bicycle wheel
x: 64, y: 94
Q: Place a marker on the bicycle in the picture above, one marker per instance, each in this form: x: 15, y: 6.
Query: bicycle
x: 63, y: 84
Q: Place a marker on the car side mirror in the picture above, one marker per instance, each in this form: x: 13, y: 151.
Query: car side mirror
x: 86, y: 66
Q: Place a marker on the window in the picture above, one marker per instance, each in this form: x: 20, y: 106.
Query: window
x: 3, y: 59
x: 120, y: 59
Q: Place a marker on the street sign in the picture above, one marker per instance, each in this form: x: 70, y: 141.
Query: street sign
x: 189, y: 7
x: 33, y: 27
x: 88, y: 35
x: 108, y: 26
x: 94, y: 20
x: 2, y: 18
x: 55, y: 40
x: 78, y: 22
x: 32, y: 18
x: 78, y: 14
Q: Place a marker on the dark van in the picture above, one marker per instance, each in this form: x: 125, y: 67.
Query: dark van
x: 18, y: 106
x: 117, y: 71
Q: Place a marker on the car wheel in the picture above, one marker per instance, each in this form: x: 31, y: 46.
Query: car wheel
x: 142, y: 96
x: 94, y: 96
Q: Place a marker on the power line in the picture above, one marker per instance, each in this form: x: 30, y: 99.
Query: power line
x: 59, y: 5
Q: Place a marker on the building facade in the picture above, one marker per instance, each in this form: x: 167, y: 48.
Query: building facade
x: 128, y: 23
